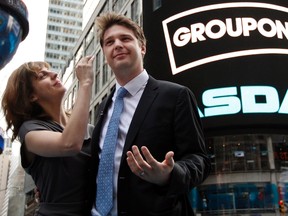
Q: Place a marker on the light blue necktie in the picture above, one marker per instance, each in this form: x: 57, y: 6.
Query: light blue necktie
x: 104, y: 198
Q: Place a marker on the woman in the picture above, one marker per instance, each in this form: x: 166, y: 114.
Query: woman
x: 55, y: 145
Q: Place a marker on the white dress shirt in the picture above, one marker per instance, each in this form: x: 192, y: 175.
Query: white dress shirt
x: 135, y: 90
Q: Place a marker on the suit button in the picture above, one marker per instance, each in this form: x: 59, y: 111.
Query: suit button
x: 122, y: 178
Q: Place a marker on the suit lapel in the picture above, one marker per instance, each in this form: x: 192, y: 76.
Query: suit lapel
x: 102, y: 112
x: 146, y: 100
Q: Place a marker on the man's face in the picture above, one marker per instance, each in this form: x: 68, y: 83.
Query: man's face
x: 122, y: 50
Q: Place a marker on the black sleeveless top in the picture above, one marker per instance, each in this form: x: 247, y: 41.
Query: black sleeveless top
x: 62, y: 181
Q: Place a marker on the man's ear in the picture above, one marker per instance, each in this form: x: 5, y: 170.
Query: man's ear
x: 143, y: 50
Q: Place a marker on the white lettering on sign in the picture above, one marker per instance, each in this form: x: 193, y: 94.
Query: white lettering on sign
x: 243, y: 26
x: 216, y: 29
x: 226, y: 101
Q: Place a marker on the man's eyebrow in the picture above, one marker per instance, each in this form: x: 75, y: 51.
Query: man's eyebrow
x: 120, y: 35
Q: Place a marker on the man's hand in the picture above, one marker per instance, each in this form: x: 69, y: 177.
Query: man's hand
x: 148, y: 168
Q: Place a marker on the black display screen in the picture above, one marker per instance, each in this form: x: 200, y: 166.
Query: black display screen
x: 233, y: 55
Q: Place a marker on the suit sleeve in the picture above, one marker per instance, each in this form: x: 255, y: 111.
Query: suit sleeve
x: 192, y: 164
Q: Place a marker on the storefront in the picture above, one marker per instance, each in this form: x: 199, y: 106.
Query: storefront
x: 247, y: 175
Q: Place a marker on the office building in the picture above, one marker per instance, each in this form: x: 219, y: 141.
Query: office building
x: 64, y: 26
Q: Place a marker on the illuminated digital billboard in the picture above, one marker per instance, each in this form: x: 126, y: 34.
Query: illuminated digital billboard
x: 232, y: 54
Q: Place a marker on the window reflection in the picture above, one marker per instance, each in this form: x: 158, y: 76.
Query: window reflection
x: 249, y: 176
x: 238, y: 153
x: 255, y: 197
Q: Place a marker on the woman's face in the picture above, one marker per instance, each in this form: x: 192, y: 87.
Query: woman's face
x: 47, y: 87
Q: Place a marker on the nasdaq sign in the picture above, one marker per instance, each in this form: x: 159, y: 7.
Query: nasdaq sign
x: 250, y: 99
x: 232, y: 55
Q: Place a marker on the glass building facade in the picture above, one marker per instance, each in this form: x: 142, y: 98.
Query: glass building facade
x: 249, y: 176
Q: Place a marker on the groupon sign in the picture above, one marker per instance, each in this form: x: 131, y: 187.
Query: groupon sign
x: 232, y: 54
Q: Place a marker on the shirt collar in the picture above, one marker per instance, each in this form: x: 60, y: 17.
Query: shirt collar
x: 134, y: 85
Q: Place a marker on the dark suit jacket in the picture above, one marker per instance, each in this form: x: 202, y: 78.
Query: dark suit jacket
x: 165, y: 119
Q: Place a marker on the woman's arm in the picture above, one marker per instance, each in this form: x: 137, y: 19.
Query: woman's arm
x: 69, y: 142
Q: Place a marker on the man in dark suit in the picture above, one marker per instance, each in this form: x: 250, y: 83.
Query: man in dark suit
x: 160, y: 154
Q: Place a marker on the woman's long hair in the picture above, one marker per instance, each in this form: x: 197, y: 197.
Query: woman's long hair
x: 16, y: 102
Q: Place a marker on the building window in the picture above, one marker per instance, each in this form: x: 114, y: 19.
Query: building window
x: 242, y: 153
x: 97, y: 82
x: 118, y: 4
x: 233, y: 198
x: 157, y: 4
x: 90, y: 117
x: 280, y: 149
x: 98, y: 61
x: 134, y: 11
x: 96, y: 107
x: 89, y: 42
x: 74, y: 93
x: 90, y: 48
x: 105, y: 73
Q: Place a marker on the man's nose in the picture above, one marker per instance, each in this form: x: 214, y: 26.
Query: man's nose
x: 118, y: 43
